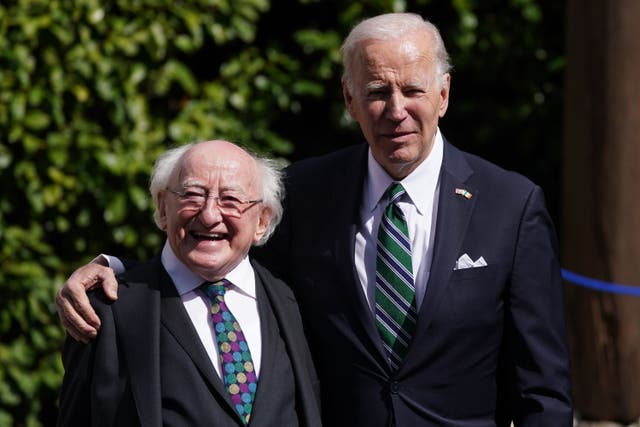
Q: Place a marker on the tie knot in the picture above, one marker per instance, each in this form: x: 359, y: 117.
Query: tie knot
x: 214, y: 289
x: 395, y: 191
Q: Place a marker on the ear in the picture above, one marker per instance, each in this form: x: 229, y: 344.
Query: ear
x: 162, y: 209
x: 348, y: 99
x: 444, y: 95
x: 264, y: 219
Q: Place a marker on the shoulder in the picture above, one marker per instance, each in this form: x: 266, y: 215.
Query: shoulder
x: 133, y: 283
x: 281, y: 299
x: 275, y: 287
x: 486, y: 177
x: 328, y: 163
x: 490, y: 172
x: 100, y: 302
x: 319, y: 178
x: 141, y: 274
x: 269, y: 279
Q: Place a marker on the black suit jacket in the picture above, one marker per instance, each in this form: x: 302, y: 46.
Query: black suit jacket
x: 490, y: 343
x: 116, y: 381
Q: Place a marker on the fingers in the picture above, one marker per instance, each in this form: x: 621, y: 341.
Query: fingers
x: 72, y: 303
x: 75, y: 325
x: 110, y: 284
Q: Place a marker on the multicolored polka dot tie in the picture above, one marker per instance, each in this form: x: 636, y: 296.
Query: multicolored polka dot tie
x: 396, y: 312
x: 238, y: 373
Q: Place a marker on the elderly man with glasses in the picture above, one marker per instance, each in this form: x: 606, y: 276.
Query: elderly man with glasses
x: 200, y: 334
x: 427, y: 278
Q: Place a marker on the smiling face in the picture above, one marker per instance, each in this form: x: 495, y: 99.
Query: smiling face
x: 208, y: 242
x: 397, y: 100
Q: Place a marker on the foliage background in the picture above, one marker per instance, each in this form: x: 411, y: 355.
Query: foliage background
x: 92, y: 91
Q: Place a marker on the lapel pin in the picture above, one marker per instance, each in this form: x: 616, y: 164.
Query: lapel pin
x: 464, y: 193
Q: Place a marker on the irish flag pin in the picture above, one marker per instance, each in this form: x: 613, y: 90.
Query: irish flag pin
x: 464, y: 193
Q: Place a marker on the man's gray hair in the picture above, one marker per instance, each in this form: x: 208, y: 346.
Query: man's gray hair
x: 271, y: 174
x: 392, y: 26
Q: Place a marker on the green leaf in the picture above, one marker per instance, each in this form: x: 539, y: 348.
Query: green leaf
x: 116, y: 209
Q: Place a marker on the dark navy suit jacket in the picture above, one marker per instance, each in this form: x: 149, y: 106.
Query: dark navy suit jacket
x: 115, y: 380
x: 490, y: 344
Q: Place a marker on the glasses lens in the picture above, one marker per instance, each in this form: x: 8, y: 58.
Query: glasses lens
x: 196, y: 199
x: 193, y: 198
x: 229, y: 205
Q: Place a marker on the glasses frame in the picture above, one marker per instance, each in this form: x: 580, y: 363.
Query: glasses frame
x: 236, y: 212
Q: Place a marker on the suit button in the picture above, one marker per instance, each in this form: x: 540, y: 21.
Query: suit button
x: 395, y: 386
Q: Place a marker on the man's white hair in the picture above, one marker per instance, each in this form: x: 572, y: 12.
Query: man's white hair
x: 272, y: 186
x: 392, y: 26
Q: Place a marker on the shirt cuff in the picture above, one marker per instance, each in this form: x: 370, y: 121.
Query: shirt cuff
x: 110, y: 261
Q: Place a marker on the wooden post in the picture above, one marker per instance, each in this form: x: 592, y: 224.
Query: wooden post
x: 601, y: 215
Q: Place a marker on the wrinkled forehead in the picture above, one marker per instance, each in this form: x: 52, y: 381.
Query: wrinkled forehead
x: 416, y: 43
x: 218, y: 168
x: 404, y: 50
x: 399, y: 62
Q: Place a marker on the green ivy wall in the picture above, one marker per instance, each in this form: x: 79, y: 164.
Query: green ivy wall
x: 92, y: 91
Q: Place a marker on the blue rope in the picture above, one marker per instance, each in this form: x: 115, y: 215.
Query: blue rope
x: 599, y: 285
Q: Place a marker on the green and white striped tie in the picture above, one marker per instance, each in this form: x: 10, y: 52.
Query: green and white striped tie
x: 396, y: 312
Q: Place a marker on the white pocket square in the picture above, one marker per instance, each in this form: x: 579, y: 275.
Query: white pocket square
x: 466, y: 262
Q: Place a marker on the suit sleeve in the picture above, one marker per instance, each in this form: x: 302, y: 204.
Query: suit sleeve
x: 75, y: 409
x: 536, y: 335
x: 130, y: 264
x: 92, y: 382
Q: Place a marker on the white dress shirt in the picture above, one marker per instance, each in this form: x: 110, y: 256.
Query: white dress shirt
x: 240, y: 299
x: 420, y: 207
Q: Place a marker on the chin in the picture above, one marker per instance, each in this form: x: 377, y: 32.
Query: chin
x: 401, y: 157
x: 209, y: 272
x: 204, y: 261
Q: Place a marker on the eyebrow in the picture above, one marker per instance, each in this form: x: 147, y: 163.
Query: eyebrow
x: 227, y: 188
x: 192, y: 183
x: 418, y: 85
x: 410, y: 85
x: 376, y: 85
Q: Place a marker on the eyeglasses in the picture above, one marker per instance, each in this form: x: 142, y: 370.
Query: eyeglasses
x: 194, y: 198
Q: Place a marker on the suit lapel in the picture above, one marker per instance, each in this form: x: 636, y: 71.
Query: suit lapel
x: 268, y: 349
x: 176, y: 320
x: 282, y: 306
x: 348, y: 185
x: 454, y: 213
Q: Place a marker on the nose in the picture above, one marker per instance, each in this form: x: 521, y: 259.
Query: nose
x: 210, y: 213
x: 396, y: 107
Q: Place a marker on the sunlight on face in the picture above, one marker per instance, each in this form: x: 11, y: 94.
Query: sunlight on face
x: 207, y: 241
x: 396, y: 100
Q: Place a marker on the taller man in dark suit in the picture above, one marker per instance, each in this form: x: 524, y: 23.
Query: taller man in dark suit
x: 427, y: 278
x: 201, y: 335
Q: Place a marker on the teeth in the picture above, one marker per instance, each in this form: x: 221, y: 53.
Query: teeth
x: 212, y: 236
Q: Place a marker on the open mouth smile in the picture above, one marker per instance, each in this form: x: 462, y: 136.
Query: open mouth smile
x: 207, y: 236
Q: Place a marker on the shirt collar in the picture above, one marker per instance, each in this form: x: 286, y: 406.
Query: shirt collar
x: 423, y: 178
x: 242, y: 276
